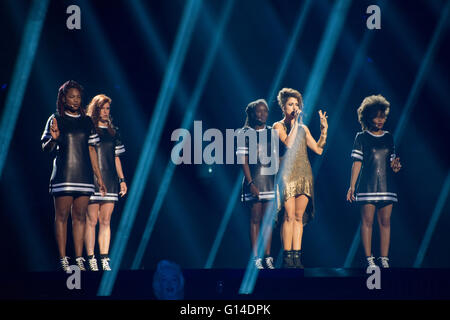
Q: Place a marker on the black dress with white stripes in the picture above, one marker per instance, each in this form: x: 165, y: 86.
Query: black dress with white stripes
x: 110, y: 146
x: 72, y: 173
x: 260, y: 173
x: 376, y: 181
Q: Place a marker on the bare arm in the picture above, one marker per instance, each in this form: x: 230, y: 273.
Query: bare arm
x: 96, y: 169
x: 248, y: 177
x: 123, y: 185
x: 287, y: 139
x: 356, y: 168
x: 317, y: 147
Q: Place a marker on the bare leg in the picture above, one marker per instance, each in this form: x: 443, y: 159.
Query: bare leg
x: 62, y: 209
x: 384, y: 222
x: 367, y: 214
x: 104, y: 232
x: 91, y: 223
x: 265, y: 207
x: 300, y: 205
x: 79, y: 211
x: 255, y: 222
x: 288, y: 223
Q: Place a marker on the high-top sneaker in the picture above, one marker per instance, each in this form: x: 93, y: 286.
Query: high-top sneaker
x: 288, y: 262
x: 64, y: 263
x: 258, y: 263
x: 297, y: 257
x: 384, y: 262
x: 92, y: 262
x: 105, y: 264
x: 370, y: 262
x: 80, y: 263
x: 268, y: 261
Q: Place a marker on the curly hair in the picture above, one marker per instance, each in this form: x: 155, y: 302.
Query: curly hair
x: 285, y: 94
x: 62, y: 92
x: 250, y: 109
x: 93, y: 111
x: 369, y: 108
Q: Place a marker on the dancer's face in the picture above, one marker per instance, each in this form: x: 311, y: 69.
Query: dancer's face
x: 291, y: 106
x: 261, y: 114
x: 73, y: 99
x: 105, y: 111
x: 379, y: 120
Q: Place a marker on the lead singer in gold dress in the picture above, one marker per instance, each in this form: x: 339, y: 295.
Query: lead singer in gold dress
x: 296, y: 186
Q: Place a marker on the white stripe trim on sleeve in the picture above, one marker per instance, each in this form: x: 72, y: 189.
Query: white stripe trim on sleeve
x: 357, y: 156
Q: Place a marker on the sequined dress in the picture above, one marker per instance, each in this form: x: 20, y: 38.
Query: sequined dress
x: 296, y: 174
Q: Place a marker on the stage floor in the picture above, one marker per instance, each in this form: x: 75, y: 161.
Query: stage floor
x: 224, y: 284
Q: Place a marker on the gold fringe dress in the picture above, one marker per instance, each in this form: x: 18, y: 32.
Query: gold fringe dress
x: 296, y: 174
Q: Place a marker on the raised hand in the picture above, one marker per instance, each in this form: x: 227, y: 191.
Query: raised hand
x: 54, y: 130
x: 323, y: 121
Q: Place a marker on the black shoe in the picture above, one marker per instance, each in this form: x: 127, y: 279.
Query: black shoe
x: 297, y: 257
x: 288, y: 262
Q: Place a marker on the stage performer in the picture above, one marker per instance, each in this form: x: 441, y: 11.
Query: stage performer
x: 374, y: 161
x: 257, y: 185
x: 296, y: 182
x: 101, y: 206
x: 71, y: 135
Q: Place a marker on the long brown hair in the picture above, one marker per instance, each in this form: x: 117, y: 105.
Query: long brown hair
x: 93, y: 111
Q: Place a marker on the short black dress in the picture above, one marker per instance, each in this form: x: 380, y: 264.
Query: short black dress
x: 72, y: 173
x: 376, y: 181
x: 263, y: 175
x: 108, y: 149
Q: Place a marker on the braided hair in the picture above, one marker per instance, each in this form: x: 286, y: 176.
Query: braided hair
x: 62, y: 92
x: 250, y: 109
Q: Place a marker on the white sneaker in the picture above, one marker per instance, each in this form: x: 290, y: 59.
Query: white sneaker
x: 64, y: 263
x: 371, y: 262
x: 258, y: 263
x: 80, y: 263
x: 93, y: 264
x: 269, y: 263
x: 384, y: 262
x: 105, y: 264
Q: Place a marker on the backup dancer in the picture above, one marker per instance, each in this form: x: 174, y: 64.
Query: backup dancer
x: 374, y: 162
x: 72, y: 136
x: 257, y: 186
x: 297, y: 189
x: 101, y: 206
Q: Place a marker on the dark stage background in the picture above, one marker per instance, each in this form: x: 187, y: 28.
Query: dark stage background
x: 114, y: 54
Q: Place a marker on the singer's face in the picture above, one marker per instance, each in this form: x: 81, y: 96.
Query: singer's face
x: 73, y: 98
x: 291, y: 106
x: 104, y: 112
